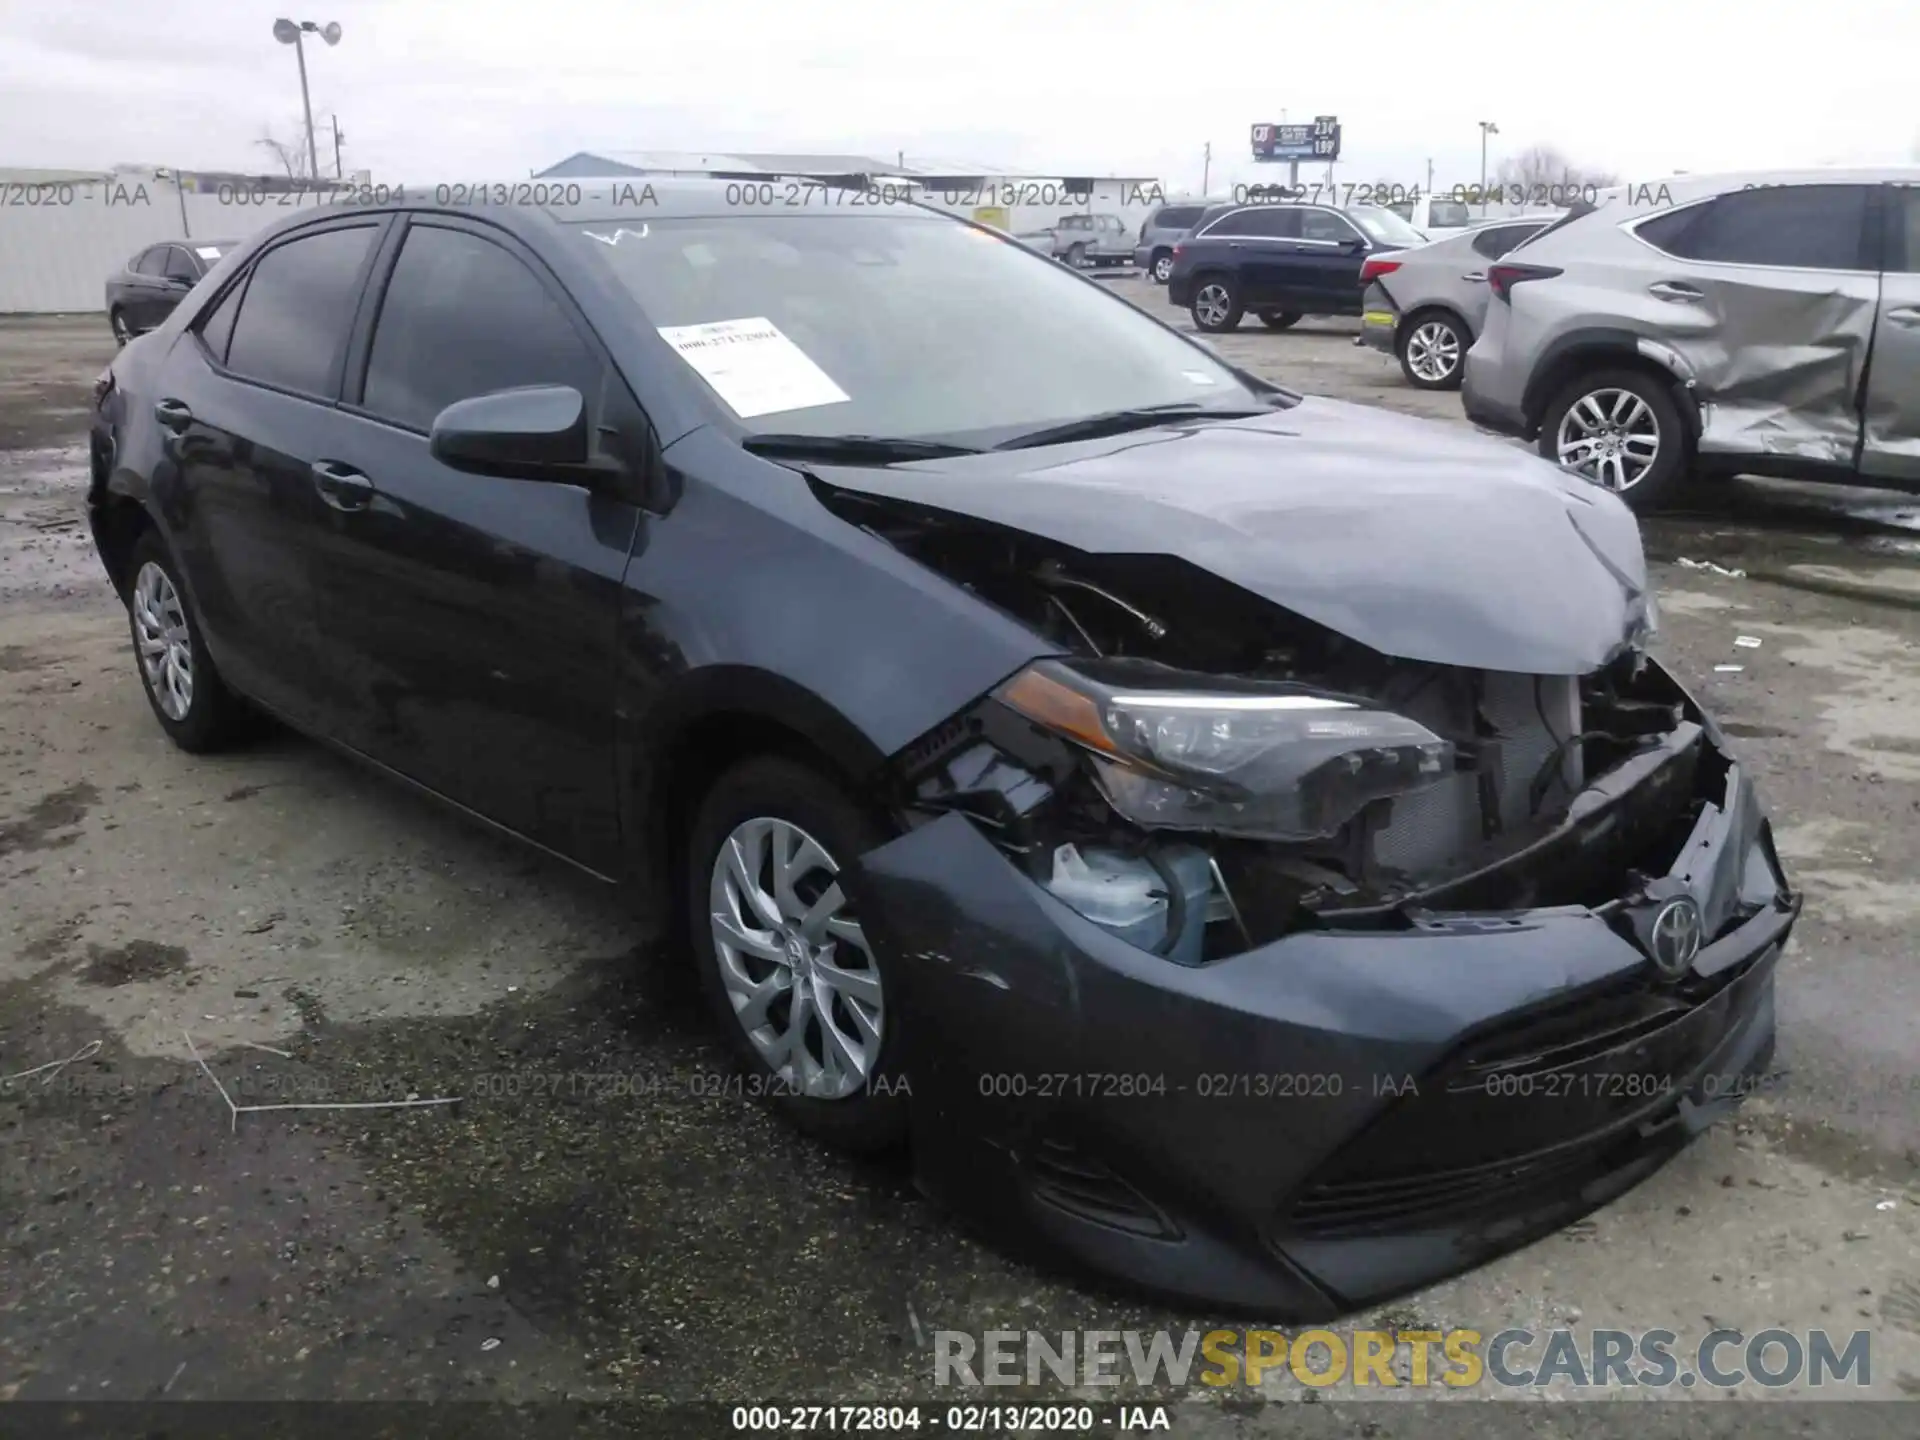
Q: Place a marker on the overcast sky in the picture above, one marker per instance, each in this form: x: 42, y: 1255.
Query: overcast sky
x: 484, y: 89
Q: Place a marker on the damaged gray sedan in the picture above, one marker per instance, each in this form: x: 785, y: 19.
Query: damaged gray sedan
x: 1239, y: 843
x: 1762, y: 324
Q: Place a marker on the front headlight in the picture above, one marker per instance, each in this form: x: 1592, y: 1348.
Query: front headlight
x: 1269, y: 762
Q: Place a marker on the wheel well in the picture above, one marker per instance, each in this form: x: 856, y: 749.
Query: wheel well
x: 118, y: 524
x: 705, y: 750
x: 1407, y: 321
x: 1549, y: 382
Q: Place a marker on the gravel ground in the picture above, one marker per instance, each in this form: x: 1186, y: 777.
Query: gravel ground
x: 599, y: 1203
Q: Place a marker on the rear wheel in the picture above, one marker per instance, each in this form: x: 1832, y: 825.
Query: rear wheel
x: 1280, y: 319
x: 1622, y: 430
x: 1162, y: 267
x: 1431, y: 348
x: 122, y: 332
x: 799, y: 992
x: 190, y: 701
x: 1216, y: 304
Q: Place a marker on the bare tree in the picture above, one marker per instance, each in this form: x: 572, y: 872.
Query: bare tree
x: 1543, y: 170
x: 289, y: 155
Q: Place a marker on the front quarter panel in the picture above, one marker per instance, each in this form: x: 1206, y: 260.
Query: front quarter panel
x: 750, y: 597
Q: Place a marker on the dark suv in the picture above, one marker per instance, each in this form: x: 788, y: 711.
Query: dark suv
x: 1279, y: 261
x: 1158, y: 234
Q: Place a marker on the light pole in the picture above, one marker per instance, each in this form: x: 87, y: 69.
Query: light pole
x: 288, y: 32
x: 1487, y: 127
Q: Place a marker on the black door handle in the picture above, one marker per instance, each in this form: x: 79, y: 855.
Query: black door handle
x: 173, y: 415
x: 342, y: 486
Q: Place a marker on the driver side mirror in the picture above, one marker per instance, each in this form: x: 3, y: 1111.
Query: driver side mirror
x: 535, y: 433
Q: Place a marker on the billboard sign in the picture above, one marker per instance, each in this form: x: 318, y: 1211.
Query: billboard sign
x: 1318, y: 141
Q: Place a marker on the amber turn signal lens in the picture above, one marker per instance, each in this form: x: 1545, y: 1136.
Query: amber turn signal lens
x: 1058, y: 707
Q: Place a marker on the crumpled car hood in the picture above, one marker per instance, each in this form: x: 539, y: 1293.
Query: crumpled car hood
x: 1418, y: 539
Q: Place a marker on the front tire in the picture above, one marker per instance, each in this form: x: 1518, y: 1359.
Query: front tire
x: 1216, y: 305
x: 1432, y: 348
x: 1077, y: 257
x: 798, y: 990
x: 1621, y: 429
x: 1280, y: 319
x: 188, y: 697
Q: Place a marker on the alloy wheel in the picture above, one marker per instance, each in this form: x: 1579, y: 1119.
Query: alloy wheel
x: 795, y: 963
x: 1212, y: 304
x: 1611, y: 436
x: 121, y: 333
x: 166, y: 648
x: 1433, y: 351
x: 1163, y: 269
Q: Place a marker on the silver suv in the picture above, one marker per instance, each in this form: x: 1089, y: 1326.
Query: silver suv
x: 1763, y: 324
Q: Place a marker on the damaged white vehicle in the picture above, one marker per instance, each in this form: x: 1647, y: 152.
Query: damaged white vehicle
x: 1759, y: 324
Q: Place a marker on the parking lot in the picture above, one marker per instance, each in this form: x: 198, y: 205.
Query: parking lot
x: 653, y: 1234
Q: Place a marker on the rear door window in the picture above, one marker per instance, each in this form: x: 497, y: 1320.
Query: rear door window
x: 1262, y: 222
x: 299, y: 305
x: 1325, y: 226
x: 216, y: 331
x: 1903, y: 229
x: 1497, y: 240
x: 463, y: 317
x: 180, y: 266
x: 1798, y: 227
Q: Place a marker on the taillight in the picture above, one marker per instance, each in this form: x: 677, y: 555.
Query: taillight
x: 1374, y: 269
x: 1502, y: 278
x: 1178, y: 251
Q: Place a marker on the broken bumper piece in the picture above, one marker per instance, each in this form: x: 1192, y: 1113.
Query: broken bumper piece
x: 1327, y: 1120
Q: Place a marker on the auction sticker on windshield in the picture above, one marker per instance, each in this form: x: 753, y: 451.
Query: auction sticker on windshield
x: 752, y: 366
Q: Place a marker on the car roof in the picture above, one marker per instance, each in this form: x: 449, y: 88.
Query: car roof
x: 1644, y: 197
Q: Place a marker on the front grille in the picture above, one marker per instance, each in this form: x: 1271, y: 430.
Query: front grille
x: 1069, y: 1180
x: 1344, y: 1209
x: 1540, y: 1103
x: 1577, y: 1033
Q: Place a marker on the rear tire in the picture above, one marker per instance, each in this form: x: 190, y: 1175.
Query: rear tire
x: 1280, y: 319
x: 1606, y: 415
x: 191, y: 702
x: 122, y: 332
x: 775, y: 810
x: 1432, y: 347
x: 1216, y: 306
x: 1162, y: 267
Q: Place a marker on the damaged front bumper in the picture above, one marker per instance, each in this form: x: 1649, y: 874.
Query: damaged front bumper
x: 1323, y: 1121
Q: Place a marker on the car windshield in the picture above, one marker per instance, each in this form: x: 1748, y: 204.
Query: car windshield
x: 1383, y: 227
x: 903, y: 325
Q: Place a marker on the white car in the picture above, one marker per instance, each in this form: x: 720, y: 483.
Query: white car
x: 1438, y: 217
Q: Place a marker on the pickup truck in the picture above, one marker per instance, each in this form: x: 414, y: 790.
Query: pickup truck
x: 1084, y: 241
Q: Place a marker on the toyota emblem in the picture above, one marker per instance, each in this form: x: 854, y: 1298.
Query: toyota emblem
x: 1674, y: 938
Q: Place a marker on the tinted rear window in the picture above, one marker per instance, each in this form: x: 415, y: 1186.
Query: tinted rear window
x: 1800, y: 227
x: 299, y: 304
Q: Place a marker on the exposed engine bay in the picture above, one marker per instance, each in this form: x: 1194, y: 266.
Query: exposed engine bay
x: 1528, y: 754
